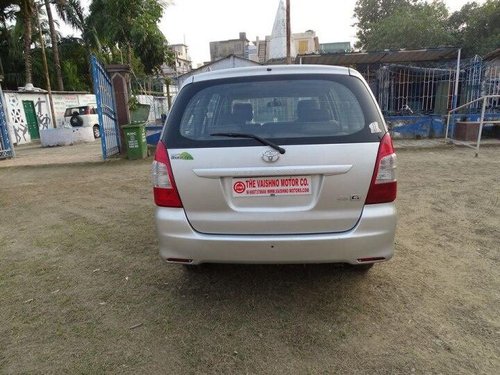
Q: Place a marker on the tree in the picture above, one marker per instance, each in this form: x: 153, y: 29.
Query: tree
x: 55, y: 48
x: 417, y: 26
x: 76, y: 64
x: 134, y: 32
x: 477, y: 28
x: 71, y: 12
x: 11, y: 48
x: 23, y: 11
x: 26, y: 12
x: 116, y: 30
x: 370, y: 12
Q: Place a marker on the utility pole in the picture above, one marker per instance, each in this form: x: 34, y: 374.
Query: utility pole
x: 288, y: 33
x: 46, y: 68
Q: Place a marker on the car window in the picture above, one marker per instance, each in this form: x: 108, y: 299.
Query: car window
x: 287, y: 108
x: 72, y: 111
x: 69, y: 112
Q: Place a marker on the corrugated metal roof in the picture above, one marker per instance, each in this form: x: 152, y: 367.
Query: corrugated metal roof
x: 401, y: 56
x: 492, y: 55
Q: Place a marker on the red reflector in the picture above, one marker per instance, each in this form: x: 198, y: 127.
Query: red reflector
x: 372, y: 259
x: 166, y: 197
x: 382, y: 193
x: 179, y: 260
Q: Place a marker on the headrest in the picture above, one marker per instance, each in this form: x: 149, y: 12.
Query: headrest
x: 309, y: 110
x: 242, y: 112
x: 304, y: 107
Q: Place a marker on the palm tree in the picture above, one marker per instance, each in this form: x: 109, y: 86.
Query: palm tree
x: 11, y: 44
x: 71, y: 12
x: 55, y: 47
x: 26, y: 11
x: 24, y: 17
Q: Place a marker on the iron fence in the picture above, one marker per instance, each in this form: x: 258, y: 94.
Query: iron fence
x: 414, y: 90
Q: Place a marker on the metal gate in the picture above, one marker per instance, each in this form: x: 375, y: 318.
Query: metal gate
x: 6, y: 150
x: 106, y: 110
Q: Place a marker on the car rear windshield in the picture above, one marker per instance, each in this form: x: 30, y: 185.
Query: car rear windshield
x: 291, y: 109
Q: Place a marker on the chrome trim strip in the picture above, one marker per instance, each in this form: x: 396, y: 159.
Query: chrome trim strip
x: 300, y: 170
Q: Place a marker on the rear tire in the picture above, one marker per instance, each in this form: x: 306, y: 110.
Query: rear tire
x: 95, y: 129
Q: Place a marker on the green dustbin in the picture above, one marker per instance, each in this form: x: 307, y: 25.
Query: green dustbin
x: 135, y: 137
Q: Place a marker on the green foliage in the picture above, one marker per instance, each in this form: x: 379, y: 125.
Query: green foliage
x: 133, y: 103
x: 75, y: 65
x: 477, y: 28
x: 394, y: 24
x: 419, y: 26
x: 117, y: 31
x: 11, y: 55
x: 71, y: 12
x: 370, y: 12
x: 132, y: 28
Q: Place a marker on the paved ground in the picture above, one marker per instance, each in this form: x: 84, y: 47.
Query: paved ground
x: 33, y: 154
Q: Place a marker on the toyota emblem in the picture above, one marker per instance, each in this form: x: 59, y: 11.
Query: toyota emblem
x: 270, y: 156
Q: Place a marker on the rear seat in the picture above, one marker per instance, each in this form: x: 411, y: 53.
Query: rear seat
x: 309, y: 111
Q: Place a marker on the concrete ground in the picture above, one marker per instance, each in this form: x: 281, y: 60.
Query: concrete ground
x: 33, y: 154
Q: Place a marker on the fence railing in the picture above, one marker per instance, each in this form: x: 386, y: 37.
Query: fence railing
x: 493, y: 100
x: 411, y: 90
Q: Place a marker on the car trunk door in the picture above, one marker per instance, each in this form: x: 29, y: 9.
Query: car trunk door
x: 310, y: 189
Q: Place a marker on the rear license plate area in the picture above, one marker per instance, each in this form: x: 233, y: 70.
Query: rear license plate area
x: 271, y: 186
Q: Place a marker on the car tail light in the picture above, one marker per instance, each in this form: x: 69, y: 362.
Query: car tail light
x: 383, y: 187
x: 165, y: 191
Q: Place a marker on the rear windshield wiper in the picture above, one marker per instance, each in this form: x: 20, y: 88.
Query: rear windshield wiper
x: 264, y: 141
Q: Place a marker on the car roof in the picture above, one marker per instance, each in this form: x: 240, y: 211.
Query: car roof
x: 272, y: 70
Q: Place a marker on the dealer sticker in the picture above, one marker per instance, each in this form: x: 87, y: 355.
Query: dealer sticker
x: 374, y: 128
x: 271, y: 186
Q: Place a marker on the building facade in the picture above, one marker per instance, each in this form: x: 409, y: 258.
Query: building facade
x: 302, y: 44
x: 305, y: 43
x: 183, y: 63
x: 223, y: 48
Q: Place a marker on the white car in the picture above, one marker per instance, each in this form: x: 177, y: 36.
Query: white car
x: 83, y: 116
x: 275, y: 164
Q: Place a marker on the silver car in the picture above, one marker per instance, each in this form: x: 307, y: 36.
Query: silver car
x: 275, y: 164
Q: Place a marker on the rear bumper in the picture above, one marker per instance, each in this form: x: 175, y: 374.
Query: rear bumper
x: 373, y: 236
